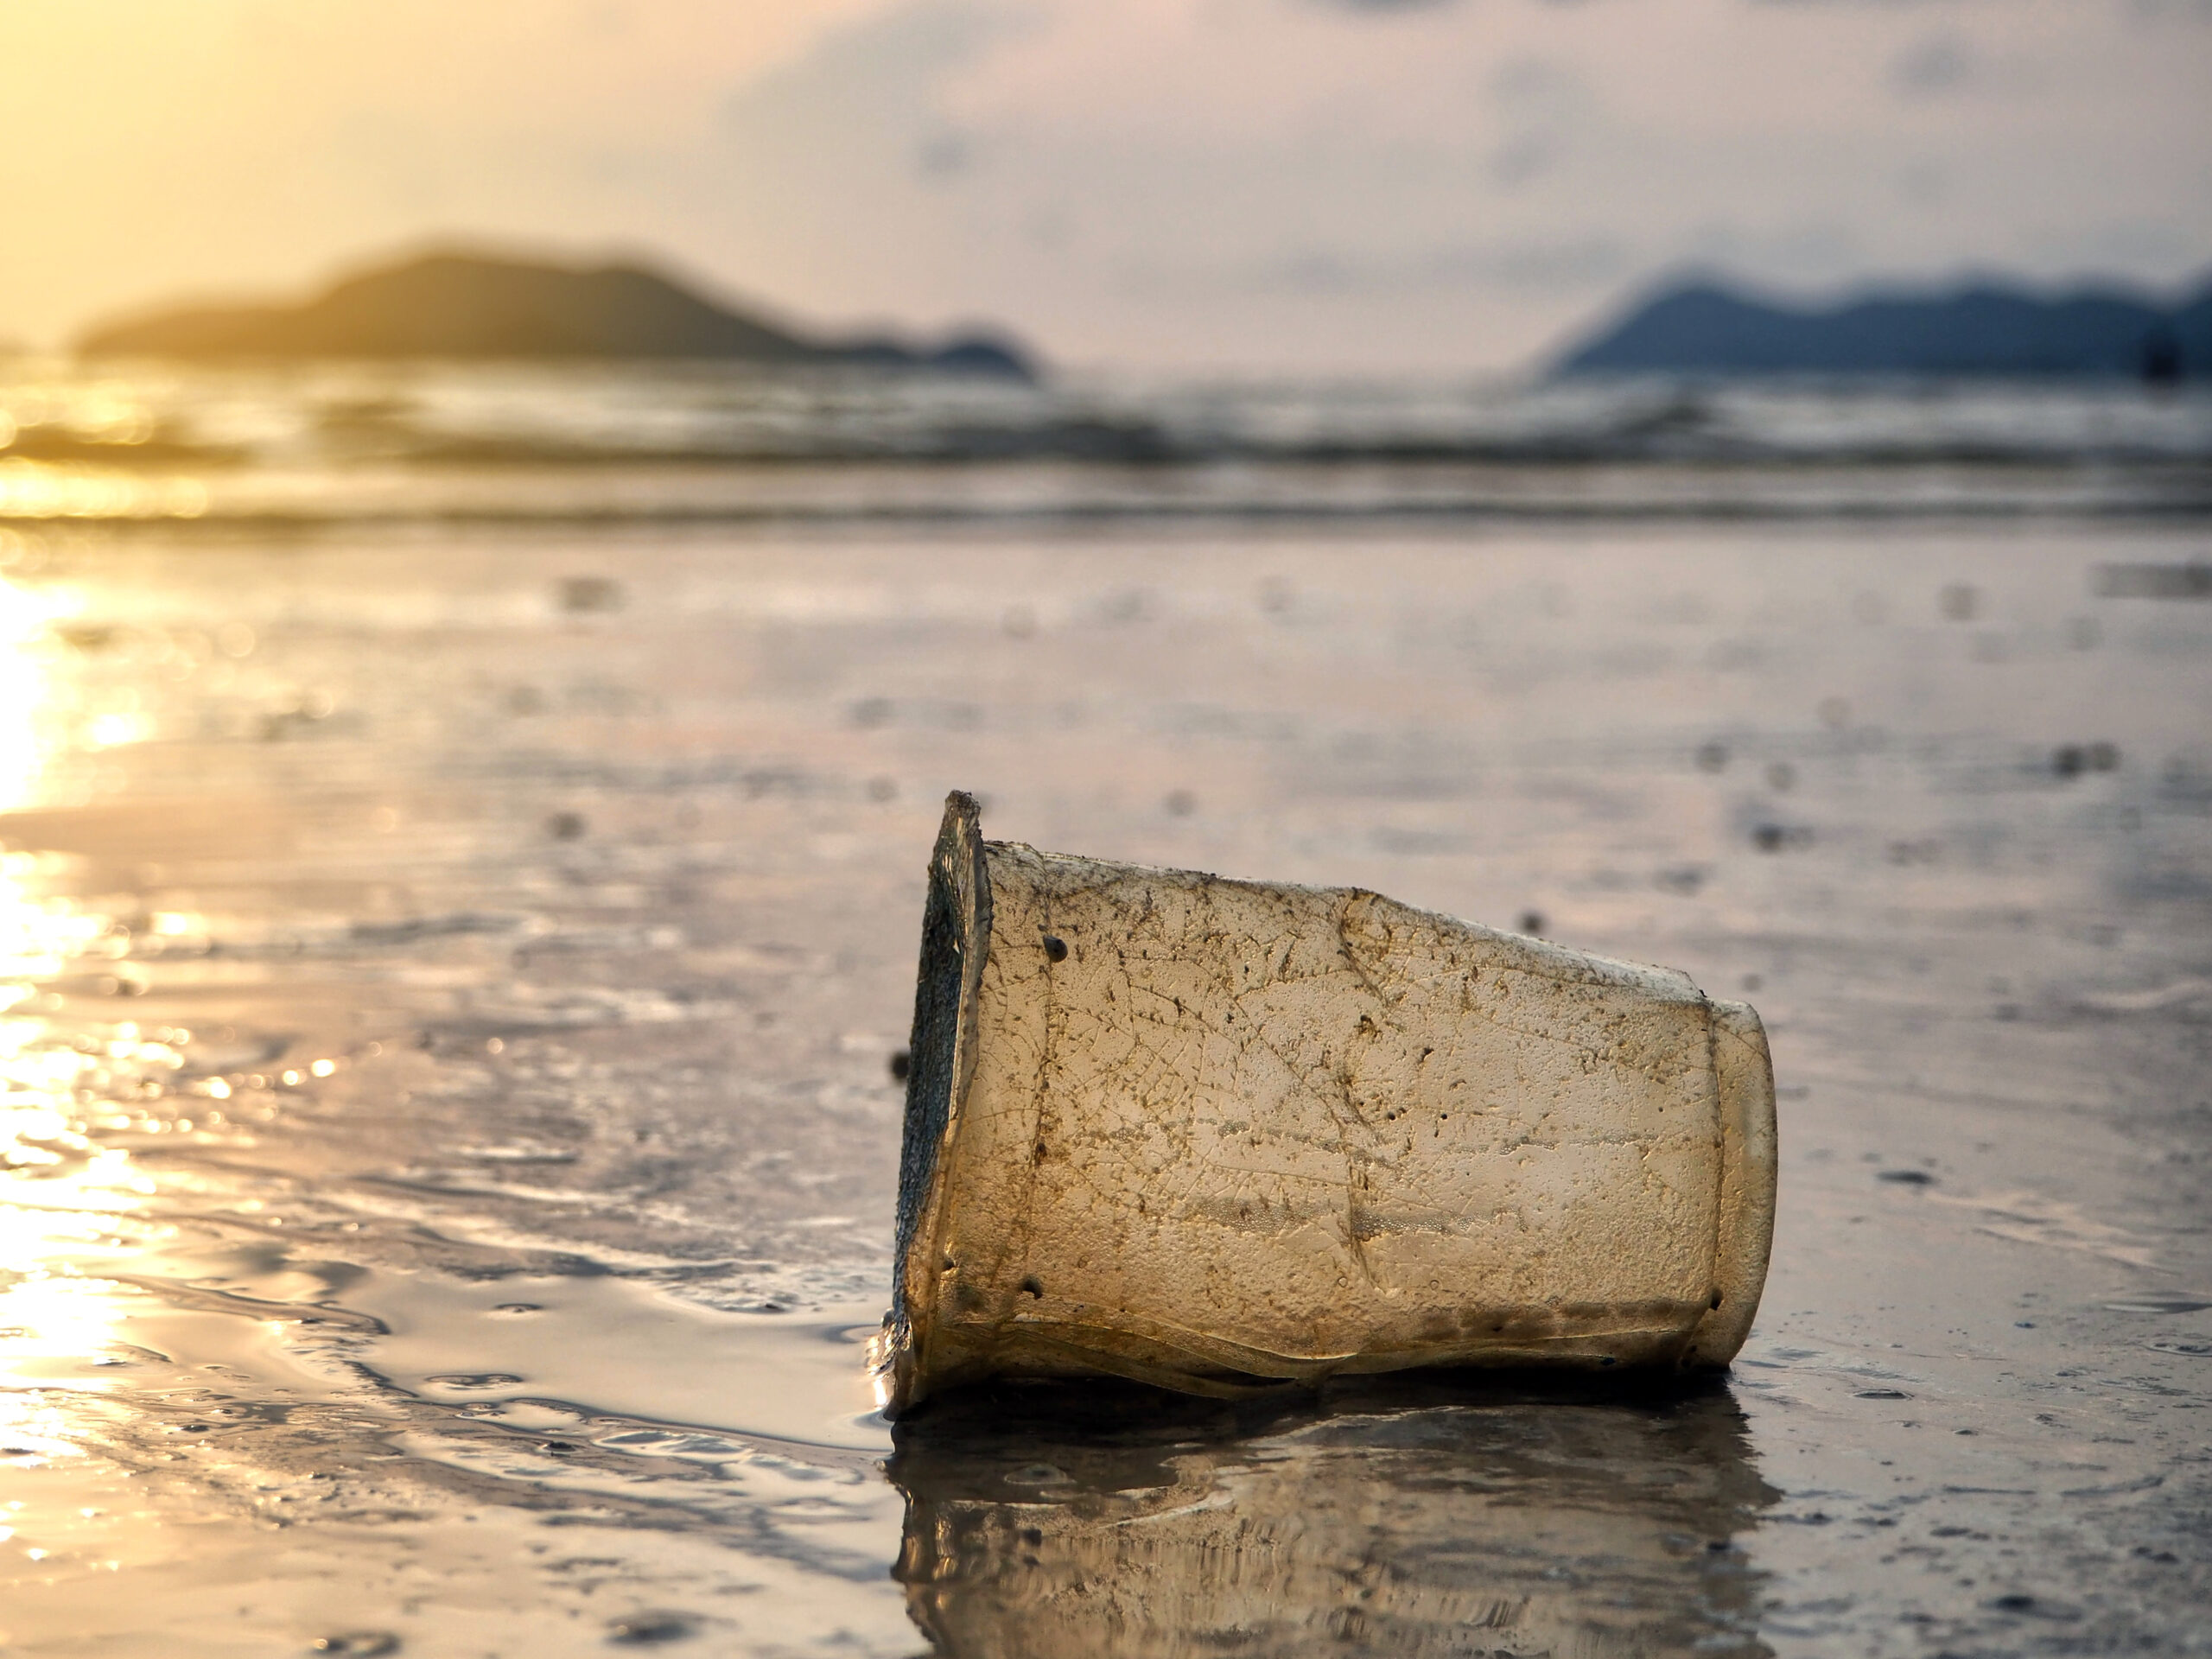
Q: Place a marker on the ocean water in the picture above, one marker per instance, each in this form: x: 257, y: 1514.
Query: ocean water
x: 724, y: 444
x: 460, y: 869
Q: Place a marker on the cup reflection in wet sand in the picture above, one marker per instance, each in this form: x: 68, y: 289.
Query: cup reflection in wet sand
x: 1419, y: 1516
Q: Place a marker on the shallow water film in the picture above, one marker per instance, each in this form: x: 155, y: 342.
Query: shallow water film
x: 452, y: 980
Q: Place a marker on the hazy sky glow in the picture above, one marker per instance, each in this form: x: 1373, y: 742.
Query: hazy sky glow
x: 1296, y: 185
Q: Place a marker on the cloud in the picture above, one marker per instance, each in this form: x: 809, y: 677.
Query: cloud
x: 875, y: 74
x: 1385, y: 8
x: 1932, y: 66
x: 1867, y: 5
x: 1588, y: 262
x: 1190, y: 183
x: 944, y: 155
x: 1214, y: 181
x: 817, y: 168
x: 1803, y: 252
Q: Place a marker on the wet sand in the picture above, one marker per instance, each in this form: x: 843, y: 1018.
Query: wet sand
x: 451, y: 1142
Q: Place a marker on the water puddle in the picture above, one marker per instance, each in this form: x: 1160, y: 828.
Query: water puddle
x: 617, y: 1347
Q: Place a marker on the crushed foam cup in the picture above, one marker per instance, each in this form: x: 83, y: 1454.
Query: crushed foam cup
x: 1218, y: 1135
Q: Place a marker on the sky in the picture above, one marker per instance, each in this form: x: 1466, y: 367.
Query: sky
x: 1248, y: 187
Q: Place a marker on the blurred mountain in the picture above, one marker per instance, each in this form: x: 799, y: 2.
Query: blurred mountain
x: 459, y: 305
x: 1983, y: 330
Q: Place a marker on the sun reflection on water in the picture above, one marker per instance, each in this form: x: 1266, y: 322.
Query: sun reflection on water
x: 34, y: 490
x: 66, y: 1198
x: 26, y: 613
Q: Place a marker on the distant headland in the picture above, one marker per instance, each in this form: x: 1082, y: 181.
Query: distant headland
x: 1984, y: 330
x: 476, y: 305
